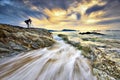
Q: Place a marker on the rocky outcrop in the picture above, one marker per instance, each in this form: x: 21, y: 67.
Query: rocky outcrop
x: 104, y: 59
x: 95, y: 33
x: 15, y: 39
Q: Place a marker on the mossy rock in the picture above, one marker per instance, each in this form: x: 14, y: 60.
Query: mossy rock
x: 64, y: 37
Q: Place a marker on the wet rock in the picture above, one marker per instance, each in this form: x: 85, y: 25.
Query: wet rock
x: 64, y: 37
x: 104, y: 59
x: 3, y: 45
x: 2, y: 50
x: 14, y: 39
x: 106, y: 64
x: 102, y: 75
x: 16, y: 46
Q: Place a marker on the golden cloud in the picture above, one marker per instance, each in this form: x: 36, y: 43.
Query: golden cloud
x: 59, y: 19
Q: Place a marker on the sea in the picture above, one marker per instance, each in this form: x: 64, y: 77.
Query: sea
x: 108, y: 34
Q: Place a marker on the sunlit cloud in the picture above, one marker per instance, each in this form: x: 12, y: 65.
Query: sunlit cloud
x: 61, y: 14
x: 55, y: 15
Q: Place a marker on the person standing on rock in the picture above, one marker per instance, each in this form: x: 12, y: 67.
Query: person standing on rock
x: 28, y: 22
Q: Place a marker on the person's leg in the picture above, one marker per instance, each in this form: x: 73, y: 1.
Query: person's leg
x: 27, y: 25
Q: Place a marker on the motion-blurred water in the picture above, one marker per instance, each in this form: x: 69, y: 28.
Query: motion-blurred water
x: 58, y: 62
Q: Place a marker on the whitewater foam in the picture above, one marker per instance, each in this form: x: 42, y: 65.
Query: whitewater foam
x: 58, y: 62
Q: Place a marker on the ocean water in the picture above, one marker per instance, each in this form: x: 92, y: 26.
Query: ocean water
x: 110, y: 41
x: 109, y: 34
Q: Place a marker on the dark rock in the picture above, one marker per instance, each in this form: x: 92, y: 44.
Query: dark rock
x: 68, y: 30
x: 95, y: 33
x: 3, y: 45
x: 64, y: 37
x: 3, y: 33
x: 3, y: 50
x: 36, y: 45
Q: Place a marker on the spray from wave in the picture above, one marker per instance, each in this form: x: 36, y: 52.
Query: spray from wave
x: 58, y: 62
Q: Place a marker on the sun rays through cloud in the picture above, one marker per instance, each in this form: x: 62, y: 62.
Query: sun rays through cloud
x: 60, y: 14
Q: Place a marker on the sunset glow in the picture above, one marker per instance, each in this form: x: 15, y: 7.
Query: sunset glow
x: 76, y: 15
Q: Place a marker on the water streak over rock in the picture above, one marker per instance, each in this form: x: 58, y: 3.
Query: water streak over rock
x: 58, y: 62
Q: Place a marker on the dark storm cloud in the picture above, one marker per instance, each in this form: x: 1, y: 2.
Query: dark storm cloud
x: 51, y: 4
x: 112, y: 10
x: 111, y: 6
x: 94, y: 8
x: 106, y: 22
x: 21, y: 9
x: 16, y: 10
x: 110, y: 1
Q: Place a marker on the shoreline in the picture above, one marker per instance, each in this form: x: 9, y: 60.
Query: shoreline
x: 104, y: 60
x: 102, y: 53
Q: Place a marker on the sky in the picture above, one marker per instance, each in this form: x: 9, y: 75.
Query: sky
x: 62, y: 14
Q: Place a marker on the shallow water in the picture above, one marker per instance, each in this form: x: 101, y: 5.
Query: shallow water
x: 58, y: 62
x: 102, y: 48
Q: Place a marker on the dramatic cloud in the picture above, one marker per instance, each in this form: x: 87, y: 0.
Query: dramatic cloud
x: 94, y: 8
x: 60, y: 14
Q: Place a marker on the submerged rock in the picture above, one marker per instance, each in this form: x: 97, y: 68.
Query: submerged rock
x: 14, y: 39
